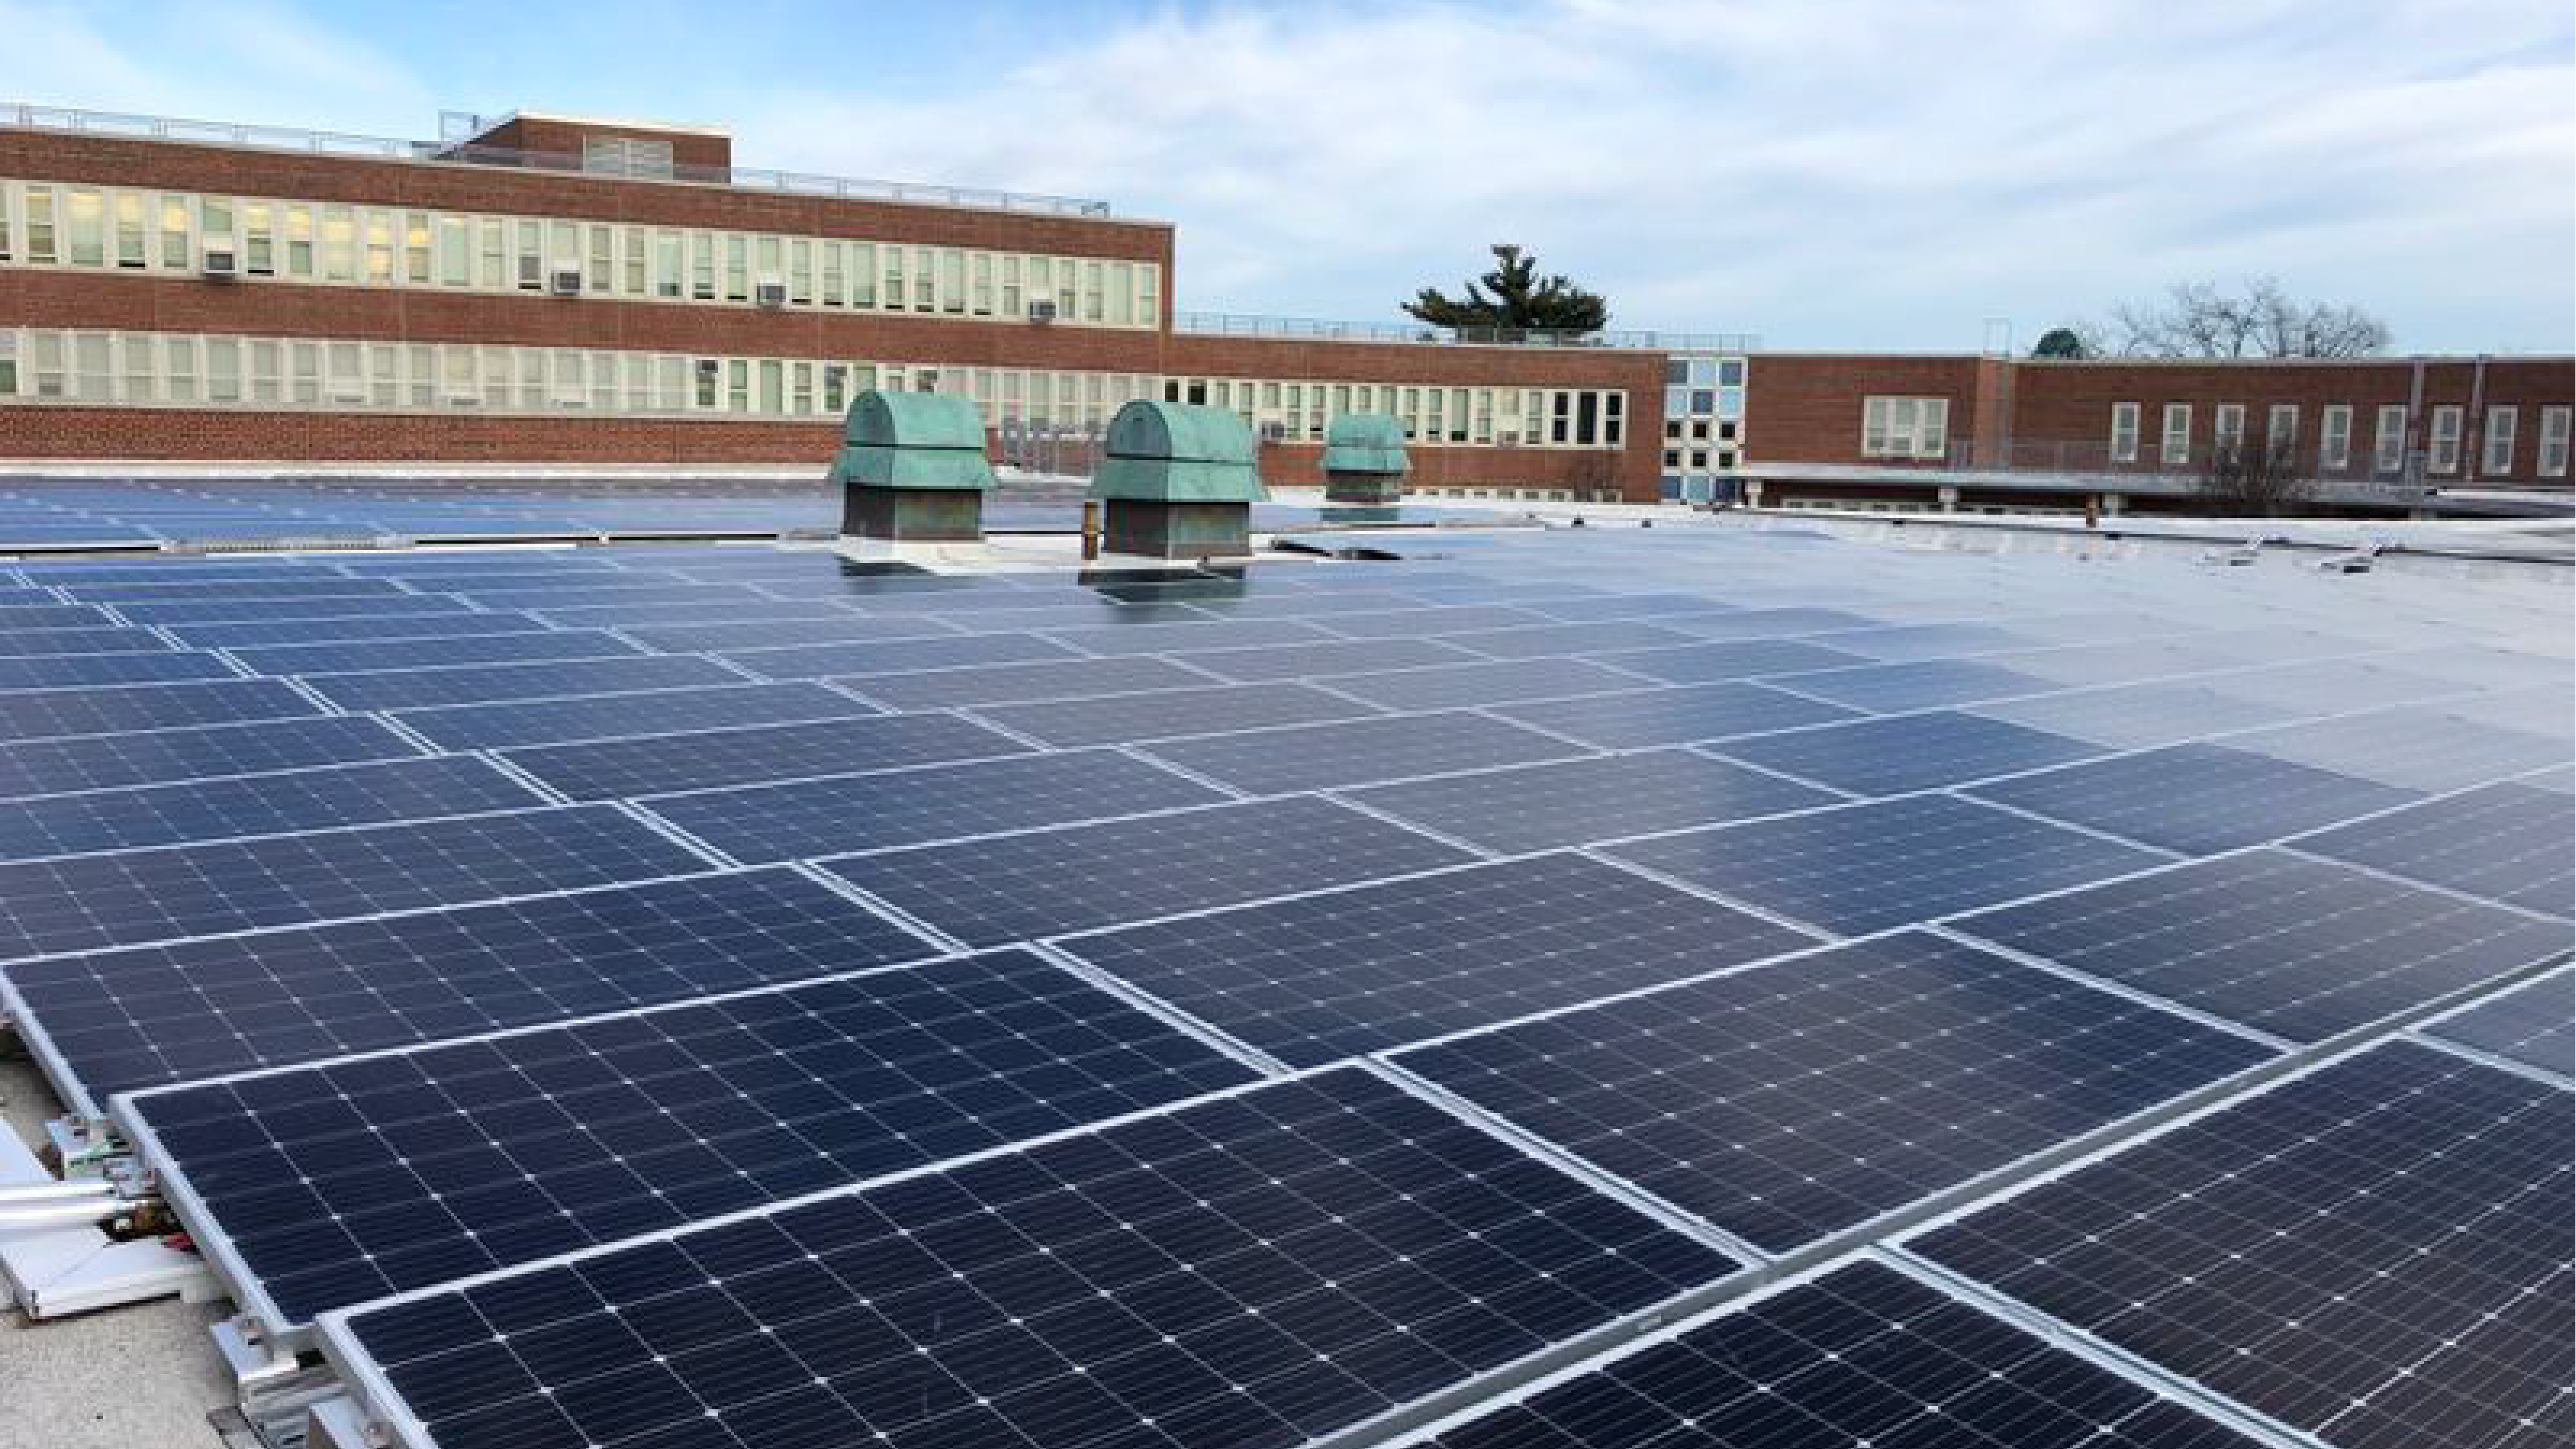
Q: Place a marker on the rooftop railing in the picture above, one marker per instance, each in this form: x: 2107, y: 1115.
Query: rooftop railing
x: 1241, y: 324
x: 24, y: 116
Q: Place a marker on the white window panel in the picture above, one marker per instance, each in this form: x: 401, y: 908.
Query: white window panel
x: 2174, y: 450
x: 2124, y: 432
x: 2552, y: 462
x: 2495, y: 458
x: 2442, y: 445
x: 2334, y: 437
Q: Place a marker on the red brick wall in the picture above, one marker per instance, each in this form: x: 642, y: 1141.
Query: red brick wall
x: 564, y: 138
x: 1806, y: 407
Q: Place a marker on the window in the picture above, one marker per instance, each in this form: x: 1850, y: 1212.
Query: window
x: 2281, y: 428
x: 40, y: 224
x: 2227, y: 430
x: 129, y: 229
x: 177, y: 251
x: 1907, y: 427
x: 4, y: 223
x: 339, y: 244
x: 2334, y: 438
x: 631, y: 263
x: 702, y: 266
x: 2175, y: 450
x: 602, y: 258
x: 416, y: 249
x: 491, y: 255
x: 135, y: 349
x: 299, y: 242
x: 2552, y: 462
x: 666, y: 264
x: 800, y: 273
x: 84, y: 216
x: 626, y: 156
x: 181, y: 371
x: 455, y: 252
x: 2388, y: 442
x: 2496, y: 458
x: 2442, y: 449
x: 2124, y: 432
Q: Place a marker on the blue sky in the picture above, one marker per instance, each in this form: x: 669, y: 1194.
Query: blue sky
x: 1826, y: 173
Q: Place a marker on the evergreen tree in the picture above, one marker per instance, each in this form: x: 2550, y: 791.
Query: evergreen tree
x: 1514, y: 298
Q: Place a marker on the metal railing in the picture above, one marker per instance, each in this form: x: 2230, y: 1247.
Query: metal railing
x: 2360, y: 468
x: 1245, y: 324
x: 24, y: 116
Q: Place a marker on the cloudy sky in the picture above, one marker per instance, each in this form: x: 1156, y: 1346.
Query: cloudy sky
x: 1825, y: 173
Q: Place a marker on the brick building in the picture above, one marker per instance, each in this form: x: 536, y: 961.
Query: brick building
x: 549, y: 289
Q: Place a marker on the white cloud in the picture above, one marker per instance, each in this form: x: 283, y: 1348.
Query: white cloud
x: 1865, y: 173
x: 229, y: 62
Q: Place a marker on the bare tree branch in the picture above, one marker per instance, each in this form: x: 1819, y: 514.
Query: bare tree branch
x: 2259, y: 319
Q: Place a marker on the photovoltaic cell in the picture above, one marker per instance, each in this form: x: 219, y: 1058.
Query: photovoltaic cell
x: 2196, y: 798
x: 76, y: 671
x: 1214, y: 634
x: 1574, y: 802
x: 1314, y: 979
x: 1114, y: 719
x: 117, y: 709
x: 1930, y: 641
x: 14, y: 617
x: 1864, y: 868
x: 1674, y: 715
x: 771, y: 633
x: 1015, y: 683
x: 1444, y: 619
x: 1791, y: 1102
x: 487, y: 683
x: 151, y: 756
x: 85, y: 902
x: 2134, y: 716
x: 379, y: 654
x: 1044, y: 883
x: 849, y: 813
x: 333, y: 606
x: 1557, y: 640
x: 1770, y: 623
x: 1357, y: 752
x: 1631, y: 606
x: 2375, y: 1253
x: 343, y: 1182
x: 892, y: 656
x: 1909, y: 752
x: 552, y: 721
x: 1451, y: 686
x: 1861, y: 1357
x: 24, y: 643
x: 2533, y: 1024
x: 1162, y: 1282
x: 2505, y: 842
x: 137, y: 589
x: 1921, y: 684
x: 149, y: 1016
x: 613, y: 595
x: 172, y: 814
x: 2301, y: 948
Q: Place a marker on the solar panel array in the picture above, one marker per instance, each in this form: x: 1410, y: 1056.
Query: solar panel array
x: 718, y: 995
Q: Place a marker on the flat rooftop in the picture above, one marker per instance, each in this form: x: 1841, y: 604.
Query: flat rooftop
x: 1530, y: 984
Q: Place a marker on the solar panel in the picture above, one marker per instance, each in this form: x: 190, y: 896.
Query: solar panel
x: 1080, y: 877
x: 332, y: 606
x: 1213, y: 634
x: 485, y: 580
x: 2196, y: 798
x: 14, y: 617
x: 1863, y: 1356
x: 2134, y: 716
x: 135, y: 588
x: 1769, y: 623
x: 760, y: 633
x: 75, y: 671
x: 2534, y: 1024
x: 2375, y: 1253
x: 1705, y: 663
x: 113, y: 1021
x: 1864, y: 868
x: 1909, y: 752
x: 1314, y: 661
x: 1931, y: 641
x: 1272, y: 604
x: 1921, y: 684
x: 1161, y: 1282
x: 2303, y: 949
x: 893, y: 656
x: 707, y: 759
x: 2415, y: 748
x: 1791, y: 1102
x: 171, y: 814
x: 1442, y: 619
x: 635, y: 615
x: 1572, y: 802
x: 609, y: 594
x: 2504, y: 842
x: 22, y: 643
x: 147, y: 757
x: 1631, y: 606
x: 1317, y: 978
x: 118, y: 709
x: 367, y: 655
x: 1016, y: 683
x: 850, y: 813
x: 1674, y: 715
x: 1451, y: 686
x: 81, y: 903
x: 553, y: 721
x: 1358, y: 752
x: 255, y: 634
x: 1557, y: 640
x: 1095, y: 614
x: 1116, y: 718
x: 487, y: 683
x: 337, y: 1183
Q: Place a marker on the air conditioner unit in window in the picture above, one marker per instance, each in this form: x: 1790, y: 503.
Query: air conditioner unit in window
x: 1273, y: 432
x: 564, y: 281
x: 1507, y: 439
x: 220, y: 262
x: 1041, y: 311
x: 769, y: 294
